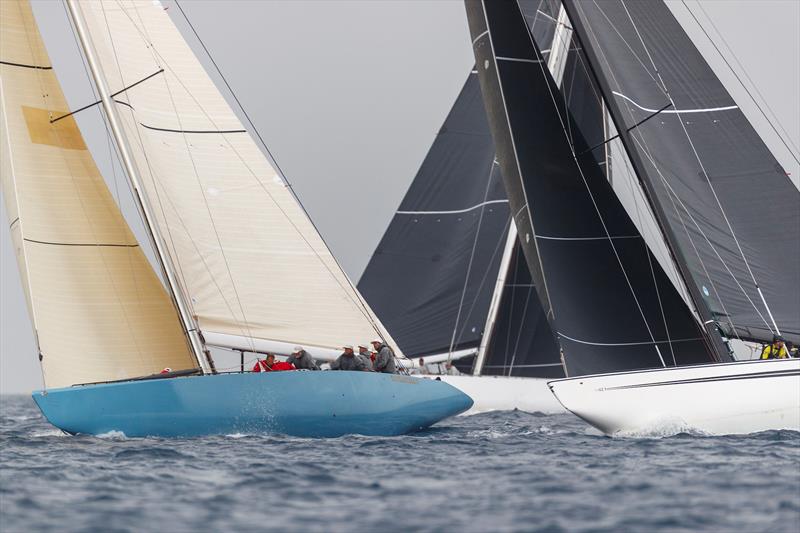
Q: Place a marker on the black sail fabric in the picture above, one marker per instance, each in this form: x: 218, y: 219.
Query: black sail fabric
x: 730, y: 212
x: 431, y: 278
x: 608, y: 300
x: 434, y: 270
x: 522, y: 343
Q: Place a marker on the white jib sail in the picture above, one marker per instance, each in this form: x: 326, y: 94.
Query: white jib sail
x: 250, y: 260
x: 99, y: 311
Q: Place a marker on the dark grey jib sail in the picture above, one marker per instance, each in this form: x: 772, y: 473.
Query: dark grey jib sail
x: 433, y: 272
x: 432, y: 276
x: 727, y: 207
x: 606, y: 297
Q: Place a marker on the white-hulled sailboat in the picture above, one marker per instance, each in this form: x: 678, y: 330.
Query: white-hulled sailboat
x: 642, y: 333
x: 243, y: 264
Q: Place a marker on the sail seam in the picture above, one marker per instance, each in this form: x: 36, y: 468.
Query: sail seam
x: 170, y: 130
x: 642, y: 343
x: 523, y: 366
x: 675, y: 111
x: 81, y: 243
x: 454, y: 211
x: 602, y: 238
x: 23, y: 65
x: 519, y: 59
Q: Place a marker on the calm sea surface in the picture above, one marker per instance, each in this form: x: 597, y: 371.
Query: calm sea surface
x: 504, y: 471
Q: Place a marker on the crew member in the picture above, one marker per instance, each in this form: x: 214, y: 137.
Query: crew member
x: 265, y: 365
x: 423, y: 368
x: 302, y: 360
x: 349, y: 361
x: 776, y: 350
x: 384, y: 361
x: 366, y: 356
x: 450, y: 369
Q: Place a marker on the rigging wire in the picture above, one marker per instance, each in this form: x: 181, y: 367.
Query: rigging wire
x: 471, y: 258
x: 359, y: 303
x: 597, y: 208
x: 638, y: 137
x: 785, y: 137
x: 703, y: 169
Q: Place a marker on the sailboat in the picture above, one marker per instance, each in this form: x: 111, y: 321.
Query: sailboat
x: 612, y: 299
x: 242, y: 264
x: 448, y: 278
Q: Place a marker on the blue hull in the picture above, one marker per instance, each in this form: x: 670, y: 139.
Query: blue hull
x: 303, y: 404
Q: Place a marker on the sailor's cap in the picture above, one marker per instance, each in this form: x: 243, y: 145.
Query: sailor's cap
x: 297, y: 349
x: 346, y: 346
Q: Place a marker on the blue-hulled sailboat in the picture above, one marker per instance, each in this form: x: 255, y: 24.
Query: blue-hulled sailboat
x: 243, y: 265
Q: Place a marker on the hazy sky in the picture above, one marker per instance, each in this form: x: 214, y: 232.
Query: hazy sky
x: 348, y: 96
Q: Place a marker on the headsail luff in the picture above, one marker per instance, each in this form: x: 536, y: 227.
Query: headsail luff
x: 248, y: 256
x: 608, y: 300
x: 99, y: 311
x: 730, y: 212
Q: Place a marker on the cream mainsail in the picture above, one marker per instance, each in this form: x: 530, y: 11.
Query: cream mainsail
x: 99, y: 311
x: 250, y: 260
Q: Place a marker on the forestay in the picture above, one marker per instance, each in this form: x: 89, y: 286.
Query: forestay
x: 608, y: 300
x: 730, y: 212
x: 99, y: 311
x: 246, y: 253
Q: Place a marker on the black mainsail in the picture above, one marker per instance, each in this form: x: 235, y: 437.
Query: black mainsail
x: 727, y: 207
x: 606, y: 297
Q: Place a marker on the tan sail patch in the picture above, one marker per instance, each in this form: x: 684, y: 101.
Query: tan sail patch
x: 64, y: 133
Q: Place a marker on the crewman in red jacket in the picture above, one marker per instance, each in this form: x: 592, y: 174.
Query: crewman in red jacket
x: 270, y: 365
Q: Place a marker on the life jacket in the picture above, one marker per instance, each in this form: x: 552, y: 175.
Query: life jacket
x: 770, y: 352
x: 282, y: 365
x: 261, y: 366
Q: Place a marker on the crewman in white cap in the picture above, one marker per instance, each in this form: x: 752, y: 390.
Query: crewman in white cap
x: 349, y: 360
x: 384, y: 361
x: 302, y: 360
x: 363, y: 353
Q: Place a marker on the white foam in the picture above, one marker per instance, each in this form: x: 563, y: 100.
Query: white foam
x: 49, y: 433
x: 112, y: 435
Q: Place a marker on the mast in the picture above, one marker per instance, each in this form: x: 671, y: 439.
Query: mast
x: 708, y: 321
x: 187, y: 320
x: 556, y: 62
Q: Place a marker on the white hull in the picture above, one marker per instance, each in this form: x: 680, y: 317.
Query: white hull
x: 719, y: 399
x: 499, y: 393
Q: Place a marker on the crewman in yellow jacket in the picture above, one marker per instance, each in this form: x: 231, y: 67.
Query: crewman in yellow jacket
x: 776, y: 350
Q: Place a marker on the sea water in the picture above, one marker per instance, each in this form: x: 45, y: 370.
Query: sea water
x: 501, y: 471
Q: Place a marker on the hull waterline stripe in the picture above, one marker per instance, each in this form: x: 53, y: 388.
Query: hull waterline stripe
x: 754, y: 375
x: 454, y: 212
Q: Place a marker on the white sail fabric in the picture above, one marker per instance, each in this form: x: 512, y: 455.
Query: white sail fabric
x: 251, y: 261
x: 99, y: 311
